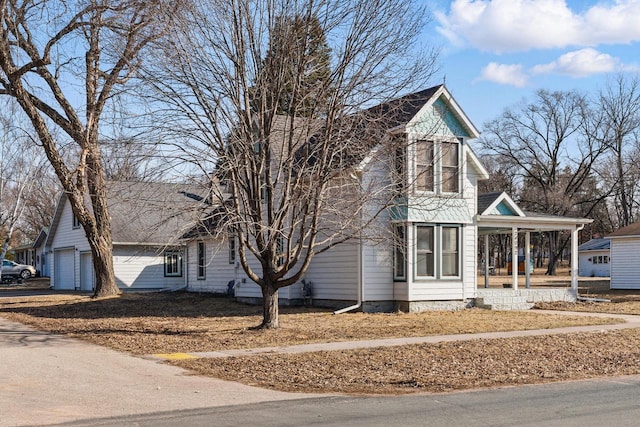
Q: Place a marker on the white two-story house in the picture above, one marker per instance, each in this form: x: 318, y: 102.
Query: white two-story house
x: 429, y: 259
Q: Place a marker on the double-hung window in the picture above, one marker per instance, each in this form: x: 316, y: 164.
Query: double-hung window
x: 425, y: 165
x: 449, y: 161
x: 202, y: 269
x: 399, y: 251
x: 437, y: 251
x: 450, y: 252
x: 173, y: 264
x: 232, y: 249
x: 437, y: 166
x: 425, y: 256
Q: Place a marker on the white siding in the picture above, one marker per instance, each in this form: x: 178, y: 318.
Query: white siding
x: 437, y: 290
x: 625, y: 268
x: 587, y: 268
x: 470, y: 232
x: 218, y: 271
x: 335, y: 273
x: 469, y: 260
x: 143, y: 269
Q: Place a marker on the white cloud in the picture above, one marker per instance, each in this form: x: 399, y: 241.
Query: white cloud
x: 518, y: 25
x: 507, y: 74
x: 580, y: 63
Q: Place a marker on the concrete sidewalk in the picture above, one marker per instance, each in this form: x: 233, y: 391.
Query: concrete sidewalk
x: 48, y: 379
x: 630, y: 321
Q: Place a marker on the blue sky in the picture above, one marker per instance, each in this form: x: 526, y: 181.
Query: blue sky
x: 494, y: 53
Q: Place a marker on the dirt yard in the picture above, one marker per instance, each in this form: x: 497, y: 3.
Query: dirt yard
x: 181, y: 322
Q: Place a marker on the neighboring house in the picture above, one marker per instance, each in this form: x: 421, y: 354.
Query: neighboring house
x: 32, y: 254
x: 147, y: 220
x: 625, y: 247
x: 432, y: 261
x: 594, y: 258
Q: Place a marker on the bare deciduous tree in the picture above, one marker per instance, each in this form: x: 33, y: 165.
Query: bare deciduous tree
x: 21, y: 164
x: 553, y: 144
x: 63, y: 62
x: 294, y: 182
x: 619, y: 103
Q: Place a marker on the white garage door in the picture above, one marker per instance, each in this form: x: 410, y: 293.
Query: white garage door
x: 64, y: 266
x: 86, y: 271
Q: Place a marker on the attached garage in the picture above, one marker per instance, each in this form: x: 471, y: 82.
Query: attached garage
x: 64, y: 268
x: 86, y: 272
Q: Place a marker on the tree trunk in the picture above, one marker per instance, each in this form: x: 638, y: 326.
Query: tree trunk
x: 270, y: 307
x: 102, y: 252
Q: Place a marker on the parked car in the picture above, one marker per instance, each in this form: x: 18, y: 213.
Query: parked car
x: 13, y: 269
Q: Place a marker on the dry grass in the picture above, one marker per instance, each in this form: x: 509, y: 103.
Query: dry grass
x: 621, y: 302
x: 186, y: 322
x: 436, y: 367
x: 181, y: 322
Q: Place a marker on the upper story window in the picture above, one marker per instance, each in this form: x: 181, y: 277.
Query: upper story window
x: 437, y: 166
x: 76, y: 222
x: 425, y: 165
x: 450, y: 176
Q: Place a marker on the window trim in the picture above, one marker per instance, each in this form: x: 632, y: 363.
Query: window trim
x: 424, y: 166
x: 438, y: 252
x: 443, y: 166
x: 75, y: 222
x: 399, y: 250
x: 232, y: 249
x: 433, y: 251
x: 437, y: 166
x: 201, y: 255
x: 169, y: 263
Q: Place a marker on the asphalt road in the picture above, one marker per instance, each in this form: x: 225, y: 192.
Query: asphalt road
x: 605, y: 402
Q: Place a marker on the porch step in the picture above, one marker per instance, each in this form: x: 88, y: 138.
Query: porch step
x: 506, y: 302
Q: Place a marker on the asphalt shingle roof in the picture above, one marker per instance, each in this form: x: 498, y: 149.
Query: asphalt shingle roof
x: 153, y: 212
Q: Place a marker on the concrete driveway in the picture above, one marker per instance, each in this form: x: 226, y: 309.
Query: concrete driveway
x: 47, y: 379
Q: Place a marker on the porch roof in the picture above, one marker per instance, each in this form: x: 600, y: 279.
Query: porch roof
x: 499, y: 214
x: 531, y: 221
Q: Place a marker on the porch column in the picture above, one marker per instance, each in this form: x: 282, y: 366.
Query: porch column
x: 514, y: 257
x: 527, y: 258
x: 486, y: 261
x: 574, y: 258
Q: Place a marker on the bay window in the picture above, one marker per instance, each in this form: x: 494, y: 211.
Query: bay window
x: 425, y: 251
x: 399, y: 251
x: 437, y: 251
x: 450, y: 256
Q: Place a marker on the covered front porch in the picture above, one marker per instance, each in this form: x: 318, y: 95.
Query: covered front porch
x: 498, y: 214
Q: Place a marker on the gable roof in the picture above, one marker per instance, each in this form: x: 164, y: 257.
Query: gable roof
x: 146, y: 213
x: 630, y: 230
x: 595, y: 245
x: 499, y: 201
x: 401, y: 110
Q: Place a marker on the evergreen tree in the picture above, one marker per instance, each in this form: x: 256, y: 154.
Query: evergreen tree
x: 295, y: 75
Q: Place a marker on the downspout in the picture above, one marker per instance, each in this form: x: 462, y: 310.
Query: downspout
x: 360, y: 297
x: 358, y: 303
